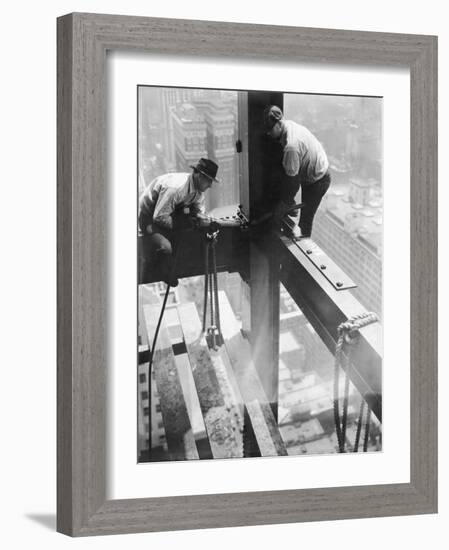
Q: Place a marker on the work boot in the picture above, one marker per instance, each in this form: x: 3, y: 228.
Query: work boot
x: 295, y: 233
x: 171, y: 280
x: 169, y: 277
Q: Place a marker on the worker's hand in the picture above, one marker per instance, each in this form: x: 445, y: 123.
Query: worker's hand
x: 206, y: 221
x: 203, y: 221
x: 149, y: 229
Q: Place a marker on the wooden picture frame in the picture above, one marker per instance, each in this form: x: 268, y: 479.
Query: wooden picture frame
x: 83, y: 40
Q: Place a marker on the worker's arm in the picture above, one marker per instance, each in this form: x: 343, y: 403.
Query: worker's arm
x: 164, y: 222
x: 291, y: 162
x: 198, y: 213
x: 146, y: 211
x: 165, y: 206
x: 203, y: 220
x: 178, y: 221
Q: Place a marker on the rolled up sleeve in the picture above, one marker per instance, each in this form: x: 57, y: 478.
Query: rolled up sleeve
x: 291, y: 162
x: 166, y: 204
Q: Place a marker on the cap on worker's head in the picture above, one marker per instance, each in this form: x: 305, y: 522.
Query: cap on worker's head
x: 271, y: 115
x: 206, y: 167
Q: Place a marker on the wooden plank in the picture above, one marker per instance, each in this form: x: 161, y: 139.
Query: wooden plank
x: 217, y: 400
x: 260, y: 427
x: 178, y: 430
x: 239, y: 352
x: 250, y: 445
x: 146, y: 296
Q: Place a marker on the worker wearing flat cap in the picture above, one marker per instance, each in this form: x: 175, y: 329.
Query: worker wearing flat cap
x: 304, y: 164
x: 163, y: 198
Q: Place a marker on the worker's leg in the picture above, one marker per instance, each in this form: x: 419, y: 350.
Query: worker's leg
x: 160, y: 244
x: 289, y: 192
x: 311, y: 199
x: 294, y: 216
x: 158, y: 258
x: 162, y: 257
x: 145, y: 248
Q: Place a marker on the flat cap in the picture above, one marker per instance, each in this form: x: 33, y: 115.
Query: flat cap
x: 271, y: 115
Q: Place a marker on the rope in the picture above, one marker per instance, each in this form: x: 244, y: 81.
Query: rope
x: 339, y: 357
x: 214, y: 337
x: 158, y: 326
x: 150, y: 360
x: 206, y: 283
x: 367, y: 425
x: 359, y: 427
x: 214, y: 271
x: 211, y: 292
x: 156, y: 334
x: 348, y: 333
x: 344, y: 421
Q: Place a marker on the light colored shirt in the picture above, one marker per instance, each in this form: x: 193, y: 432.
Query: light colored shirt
x: 167, y: 193
x: 303, y: 153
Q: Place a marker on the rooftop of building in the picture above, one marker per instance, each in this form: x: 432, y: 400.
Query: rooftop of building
x: 362, y: 220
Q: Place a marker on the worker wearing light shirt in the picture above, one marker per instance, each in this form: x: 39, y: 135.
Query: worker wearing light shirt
x: 304, y: 164
x: 163, y: 197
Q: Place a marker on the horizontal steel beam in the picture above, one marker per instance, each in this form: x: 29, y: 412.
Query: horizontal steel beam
x: 326, y: 308
x: 333, y: 273
x: 232, y: 252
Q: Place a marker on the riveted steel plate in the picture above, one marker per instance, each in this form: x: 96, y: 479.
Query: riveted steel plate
x: 329, y: 269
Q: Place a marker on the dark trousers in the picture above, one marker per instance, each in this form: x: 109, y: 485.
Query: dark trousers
x: 156, y: 260
x: 311, y: 195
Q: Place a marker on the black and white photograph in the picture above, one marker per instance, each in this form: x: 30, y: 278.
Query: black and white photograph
x: 259, y: 274
x: 227, y: 276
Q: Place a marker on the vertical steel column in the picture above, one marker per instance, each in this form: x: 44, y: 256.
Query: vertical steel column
x: 255, y: 182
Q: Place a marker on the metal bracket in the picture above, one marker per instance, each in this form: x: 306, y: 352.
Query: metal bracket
x: 336, y: 276
x: 242, y: 216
